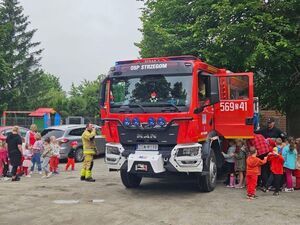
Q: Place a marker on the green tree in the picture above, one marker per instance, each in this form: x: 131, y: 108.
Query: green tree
x: 248, y: 35
x: 21, y: 56
x: 84, y: 98
x: 51, y: 95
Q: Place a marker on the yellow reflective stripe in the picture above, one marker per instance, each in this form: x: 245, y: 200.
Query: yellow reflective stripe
x: 238, y: 137
x: 201, y: 139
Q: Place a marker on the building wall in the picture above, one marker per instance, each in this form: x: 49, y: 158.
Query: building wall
x: 280, y: 119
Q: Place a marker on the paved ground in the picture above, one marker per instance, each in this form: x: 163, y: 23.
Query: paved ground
x: 32, y: 201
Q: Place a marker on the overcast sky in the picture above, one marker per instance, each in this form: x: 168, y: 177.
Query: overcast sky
x: 83, y: 38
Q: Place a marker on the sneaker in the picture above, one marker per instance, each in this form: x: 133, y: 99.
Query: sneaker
x: 263, y: 189
x: 16, y: 179
x: 90, y: 179
x: 287, y: 190
x: 28, y: 175
x: 82, y: 178
x: 43, y: 177
x: 40, y: 172
x: 250, y: 197
x: 49, y: 175
x: 5, y: 178
x: 230, y: 186
x: 276, y: 193
x: 238, y: 186
x: 30, y: 172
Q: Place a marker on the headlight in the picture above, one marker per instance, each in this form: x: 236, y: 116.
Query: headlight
x: 112, y: 150
x: 192, y: 151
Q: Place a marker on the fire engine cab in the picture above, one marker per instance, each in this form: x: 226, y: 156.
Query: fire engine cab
x: 170, y: 115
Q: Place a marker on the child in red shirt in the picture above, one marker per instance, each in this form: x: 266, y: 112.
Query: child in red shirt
x: 276, y: 165
x: 252, y: 172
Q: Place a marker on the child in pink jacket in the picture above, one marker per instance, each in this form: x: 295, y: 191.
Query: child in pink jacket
x: 3, y: 157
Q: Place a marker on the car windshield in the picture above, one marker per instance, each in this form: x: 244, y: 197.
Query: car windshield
x: 151, y: 93
x: 52, y: 132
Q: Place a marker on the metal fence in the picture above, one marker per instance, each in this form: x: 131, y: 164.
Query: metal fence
x: 27, y: 121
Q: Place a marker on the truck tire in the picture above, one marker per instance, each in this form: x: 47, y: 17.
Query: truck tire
x: 207, y: 183
x: 130, y: 180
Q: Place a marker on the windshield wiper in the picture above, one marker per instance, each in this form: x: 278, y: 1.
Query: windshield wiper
x: 135, y: 104
x: 170, y: 104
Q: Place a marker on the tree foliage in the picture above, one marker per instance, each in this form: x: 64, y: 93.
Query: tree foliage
x: 84, y: 98
x: 248, y: 35
x: 20, y: 56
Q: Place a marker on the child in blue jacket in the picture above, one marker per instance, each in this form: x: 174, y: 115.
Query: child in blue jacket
x: 289, y: 154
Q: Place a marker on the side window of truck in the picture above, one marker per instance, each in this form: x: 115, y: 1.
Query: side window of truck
x: 234, y: 87
x: 202, y: 88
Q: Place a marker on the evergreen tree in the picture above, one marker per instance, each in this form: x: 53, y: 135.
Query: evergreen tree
x: 21, y: 57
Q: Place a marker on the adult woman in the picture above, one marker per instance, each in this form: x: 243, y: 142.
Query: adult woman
x: 14, y: 144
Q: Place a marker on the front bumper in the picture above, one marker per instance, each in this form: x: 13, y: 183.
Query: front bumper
x: 158, y: 163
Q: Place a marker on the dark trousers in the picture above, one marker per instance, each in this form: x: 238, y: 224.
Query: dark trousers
x: 265, y: 172
x: 14, y: 171
x: 277, y: 181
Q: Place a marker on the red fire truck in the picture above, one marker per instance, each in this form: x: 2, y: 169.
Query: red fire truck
x: 170, y: 115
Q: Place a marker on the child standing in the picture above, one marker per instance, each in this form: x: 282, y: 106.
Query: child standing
x: 54, y: 160
x: 46, y: 158
x: 3, y: 159
x: 252, y: 172
x: 297, y: 171
x: 276, y: 165
x: 289, y: 154
x: 71, y: 155
x: 229, y: 164
x: 27, y: 161
x: 37, y: 150
x: 240, y: 161
x: 279, y: 146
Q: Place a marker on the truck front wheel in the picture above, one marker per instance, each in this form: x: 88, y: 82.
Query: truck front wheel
x: 130, y: 180
x: 207, y: 183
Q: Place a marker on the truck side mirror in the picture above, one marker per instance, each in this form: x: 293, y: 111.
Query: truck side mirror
x: 102, y: 93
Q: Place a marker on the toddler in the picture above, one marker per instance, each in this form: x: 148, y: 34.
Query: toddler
x: 27, y: 161
x: 240, y: 161
x: 279, y: 146
x: 252, y: 172
x: 297, y: 171
x: 47, y: 153
x: 71, y: 155
x: 276, y: 166
x: 3, y: 159
x: 54, y: 160
x: 289, y: 154
x: 37, y: 150
x: 229, y: 164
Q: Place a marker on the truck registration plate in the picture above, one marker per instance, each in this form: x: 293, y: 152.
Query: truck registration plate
x: 141, y: 167
x: 147, y: 147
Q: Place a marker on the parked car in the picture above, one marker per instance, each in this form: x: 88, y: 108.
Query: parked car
x: 6, y: 130
x: 65, y: 134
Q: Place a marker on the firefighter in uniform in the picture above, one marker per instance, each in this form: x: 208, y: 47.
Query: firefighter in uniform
x: 89, y: 150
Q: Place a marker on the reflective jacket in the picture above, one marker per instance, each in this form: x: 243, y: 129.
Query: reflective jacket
x: 88, y: 141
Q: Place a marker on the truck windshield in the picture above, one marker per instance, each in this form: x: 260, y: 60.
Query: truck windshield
x: 151, y: 93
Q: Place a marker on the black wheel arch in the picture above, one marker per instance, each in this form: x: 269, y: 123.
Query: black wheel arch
x: 215, y: 146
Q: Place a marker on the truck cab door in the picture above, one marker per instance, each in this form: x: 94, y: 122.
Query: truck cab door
x: 234, y: 113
